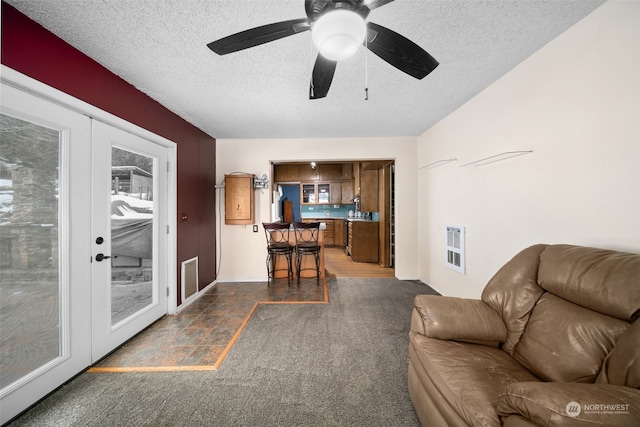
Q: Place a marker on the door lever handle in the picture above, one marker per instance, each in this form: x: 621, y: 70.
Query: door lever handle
x: 101, y: 256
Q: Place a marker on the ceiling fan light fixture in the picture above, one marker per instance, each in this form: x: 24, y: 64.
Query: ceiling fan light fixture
x: 338, y: 34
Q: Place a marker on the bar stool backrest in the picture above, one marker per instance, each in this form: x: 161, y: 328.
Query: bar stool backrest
x: 277, y: 234
x: 306, y: 234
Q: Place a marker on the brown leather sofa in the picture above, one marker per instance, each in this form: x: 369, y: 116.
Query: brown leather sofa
x: 553, y: 341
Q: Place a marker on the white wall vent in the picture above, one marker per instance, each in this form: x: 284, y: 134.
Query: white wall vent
x: 455, y: 248
x: 189, y: 279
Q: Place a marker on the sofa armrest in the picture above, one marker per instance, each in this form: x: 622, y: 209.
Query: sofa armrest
x: 458, y: 319
x: 571, y: 404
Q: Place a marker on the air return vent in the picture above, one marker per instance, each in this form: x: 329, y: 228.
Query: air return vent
x: 189, y: 278
x: 455, y: 248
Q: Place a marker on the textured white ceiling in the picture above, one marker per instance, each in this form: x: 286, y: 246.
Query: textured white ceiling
x: 159, y: 46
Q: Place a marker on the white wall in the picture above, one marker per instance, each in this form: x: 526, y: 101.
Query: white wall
x: 244, y: 253
x: 576, y: 104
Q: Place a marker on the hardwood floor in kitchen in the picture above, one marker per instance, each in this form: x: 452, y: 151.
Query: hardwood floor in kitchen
x: 200, y: 336
x: 338, y: 264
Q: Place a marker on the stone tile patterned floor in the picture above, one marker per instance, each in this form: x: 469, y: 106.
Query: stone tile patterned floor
x: 200, y: 335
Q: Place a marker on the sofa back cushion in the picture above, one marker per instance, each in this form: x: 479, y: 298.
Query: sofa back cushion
x: 566, y: 342
x: 602, y: 280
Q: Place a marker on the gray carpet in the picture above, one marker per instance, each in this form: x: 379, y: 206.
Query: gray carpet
x: 337, y: 364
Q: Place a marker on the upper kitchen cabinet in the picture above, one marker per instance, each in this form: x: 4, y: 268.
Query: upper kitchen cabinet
x: 321, y: 193
x: 336, y: 193
x: 239, y: 199
x: 347, y: 193
x: 369, y: 190
x: 347, y: 171
x: 308, y: 173
x: 286, y: 173
x: 330, y: 172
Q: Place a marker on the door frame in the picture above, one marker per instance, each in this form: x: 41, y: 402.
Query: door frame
x: 20, y: 81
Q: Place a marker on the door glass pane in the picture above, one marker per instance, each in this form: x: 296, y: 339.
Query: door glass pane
x: 29, y: 265
x: 131, y: 233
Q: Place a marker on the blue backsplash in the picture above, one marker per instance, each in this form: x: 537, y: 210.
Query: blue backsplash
x: 326, y: 211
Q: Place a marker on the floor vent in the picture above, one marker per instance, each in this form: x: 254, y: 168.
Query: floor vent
x: 189, y: 278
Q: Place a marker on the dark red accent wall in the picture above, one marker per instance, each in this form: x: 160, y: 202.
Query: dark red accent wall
x: 29, y: 48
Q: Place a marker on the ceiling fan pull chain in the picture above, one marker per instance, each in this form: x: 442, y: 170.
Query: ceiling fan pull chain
x: 366, y: 70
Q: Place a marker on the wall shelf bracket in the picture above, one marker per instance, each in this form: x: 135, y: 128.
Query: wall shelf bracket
x: 438, y: 163
x: 497, y: 158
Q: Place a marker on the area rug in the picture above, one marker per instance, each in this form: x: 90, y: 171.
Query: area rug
x: 337, y: 364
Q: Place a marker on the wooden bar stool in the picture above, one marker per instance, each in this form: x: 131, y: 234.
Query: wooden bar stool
x: 277, y: 234
x: 307, y: 234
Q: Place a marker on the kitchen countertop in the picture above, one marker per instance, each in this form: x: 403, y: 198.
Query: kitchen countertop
x: 345, y: 218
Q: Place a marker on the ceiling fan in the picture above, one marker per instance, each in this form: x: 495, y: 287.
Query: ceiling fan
x: 338, y: 28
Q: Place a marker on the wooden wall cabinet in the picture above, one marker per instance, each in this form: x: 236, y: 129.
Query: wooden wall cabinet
x: 239, y: 199
x: 336, y: 193
x: 347, y: 171
x: 347, y: 192
x: 286, y: 173
x: 320, y: 193
x: 307, y: 173
x: 330, y: 172
x: 369, y: 190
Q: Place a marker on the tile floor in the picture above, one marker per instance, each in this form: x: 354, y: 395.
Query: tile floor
x: 199, y: 337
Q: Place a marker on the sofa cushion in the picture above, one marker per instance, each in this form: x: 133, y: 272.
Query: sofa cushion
x: 439, y: 317
x: 602, y: 280
x: 566, y: 342
x: 571, y: 404
x: 469, y: 377
x: 622, y: 365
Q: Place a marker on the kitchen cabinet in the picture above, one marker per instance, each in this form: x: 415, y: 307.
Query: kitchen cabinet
x: 347, y: 192
x: 336, y: 193
x: 312, y: 193
x: 338, y: 232
x: 307, y: 173
x: 239, y: 199
x: 347, y: 171
x: 369, y: 190
x: 330, y: 172
x: 363, y: 241
x: 286, y: 173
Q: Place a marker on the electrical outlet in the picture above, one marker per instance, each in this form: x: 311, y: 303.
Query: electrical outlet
x: 255, y: 228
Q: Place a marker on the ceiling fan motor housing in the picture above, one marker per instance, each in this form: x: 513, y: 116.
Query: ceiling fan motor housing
x: 317, y: 8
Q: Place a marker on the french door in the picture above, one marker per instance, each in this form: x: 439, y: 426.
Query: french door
x: 84, y: 252
x: 45, y: 296
x: 129, y: 239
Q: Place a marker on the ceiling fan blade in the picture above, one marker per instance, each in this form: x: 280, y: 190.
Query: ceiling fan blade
x: 399, y: 51
x: 259, y: 35
x: 321, y: 77
x: 373, y: 4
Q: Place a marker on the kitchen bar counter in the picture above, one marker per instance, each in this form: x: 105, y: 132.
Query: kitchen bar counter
x: 307, y: 261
